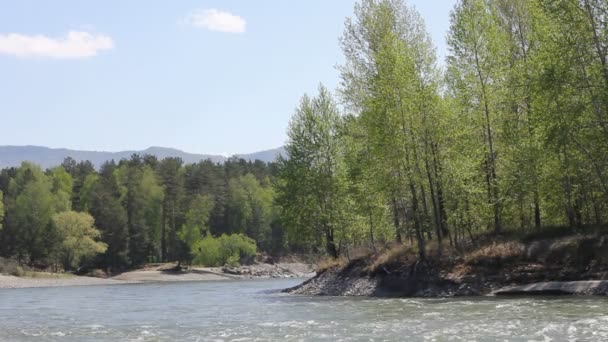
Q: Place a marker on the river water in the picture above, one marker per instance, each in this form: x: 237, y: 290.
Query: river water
x: 256, y: 311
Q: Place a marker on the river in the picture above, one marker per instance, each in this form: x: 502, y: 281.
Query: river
x: 256, y: 311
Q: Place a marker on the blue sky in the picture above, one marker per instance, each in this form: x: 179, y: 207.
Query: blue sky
x: 202, y: 76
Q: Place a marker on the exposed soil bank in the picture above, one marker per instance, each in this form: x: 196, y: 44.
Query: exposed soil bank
x: 163, y: 273
x: 571, y: 265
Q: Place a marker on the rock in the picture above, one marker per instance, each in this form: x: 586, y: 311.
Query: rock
x: 591, y: 287
x: 465, y: 290
x: 231, y: 270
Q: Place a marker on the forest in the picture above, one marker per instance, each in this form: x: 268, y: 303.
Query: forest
x: 138, y: 211
x: 508, y: 134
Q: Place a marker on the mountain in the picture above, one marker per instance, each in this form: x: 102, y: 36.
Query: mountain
x: 48, y: 157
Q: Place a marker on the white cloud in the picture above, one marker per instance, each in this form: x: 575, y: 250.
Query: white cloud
x: 216, y: 20
x: 77, y: 44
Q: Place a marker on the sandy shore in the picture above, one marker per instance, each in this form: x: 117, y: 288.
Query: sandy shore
x: 7, y: 281
x: 158, y: 275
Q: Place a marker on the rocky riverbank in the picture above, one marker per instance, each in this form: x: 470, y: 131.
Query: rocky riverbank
x: 571, y: 265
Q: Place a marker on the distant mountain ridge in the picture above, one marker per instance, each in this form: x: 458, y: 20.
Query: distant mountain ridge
x: 48, y: 157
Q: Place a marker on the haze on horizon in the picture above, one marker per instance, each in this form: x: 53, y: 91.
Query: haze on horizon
x: 218, y: 77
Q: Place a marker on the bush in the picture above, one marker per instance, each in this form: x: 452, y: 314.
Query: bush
x: 11, y: 267
x: 225, y: 250
x: 207, y: 251
x: 97, y: 273
x: 18, y: 271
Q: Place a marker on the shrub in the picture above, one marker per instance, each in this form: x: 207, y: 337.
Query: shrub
x: 227, y: 249
x: 236, y: 249
x: 18, y: 271
x: 206, y: 251
x: 97, y: 273
x: 11, y: 267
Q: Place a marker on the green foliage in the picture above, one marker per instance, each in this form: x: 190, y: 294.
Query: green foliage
x: 312, y: 182
x: 110, y: 216
x: 250, y: 208
x: 142, y: 197
x: 86, y: 191
x: 199, y: 213
x: 61, y: 188
x: 31, y: 211
x: 78, y: 238
x: 145, y: 210
x: 225, y: 250
x: 197, y: 221
x: 206, y: 251
x: 514, y: 136
x: 1, y: 209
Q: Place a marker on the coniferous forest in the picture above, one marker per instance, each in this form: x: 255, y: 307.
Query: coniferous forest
x: 138, y: 211
x: 508, y: 134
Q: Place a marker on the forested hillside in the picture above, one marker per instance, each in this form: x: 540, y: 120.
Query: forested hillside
x: 510, y: 135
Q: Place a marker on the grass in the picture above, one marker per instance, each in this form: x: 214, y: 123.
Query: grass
x: 497, y: 252
x: 45, y: 275
x: 394, y: 255
x: 330, y: 263
x: 13, y: 268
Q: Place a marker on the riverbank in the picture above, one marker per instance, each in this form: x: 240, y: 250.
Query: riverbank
x: 161, y: 274
x: 567, y: 265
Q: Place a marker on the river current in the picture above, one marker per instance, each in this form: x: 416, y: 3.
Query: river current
x: 256, y: 311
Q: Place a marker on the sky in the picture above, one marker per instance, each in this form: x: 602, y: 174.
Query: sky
x: 207, y: 76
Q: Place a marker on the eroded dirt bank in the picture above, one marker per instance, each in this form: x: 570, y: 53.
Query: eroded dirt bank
x: 554, y: 266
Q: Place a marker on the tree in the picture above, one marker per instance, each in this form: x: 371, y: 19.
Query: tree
x: 78, y: 238
x: 197, y: 222
x: 476, y: 65
x: 110, y: 216
x: 80, y: 172
x: 61, y: 188
x: 142, y: 198
x: 172, y: 179
x: 249, y: 208
x: 390, y: 82
x: 312, y: 185
x: 31, y: 210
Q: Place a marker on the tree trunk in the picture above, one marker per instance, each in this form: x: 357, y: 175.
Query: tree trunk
x: 163, y: 239
x: 396, y: 221
x: 537, y: 218
x: 371, y: 231
x: 417, y: 224
x: 330, y: 244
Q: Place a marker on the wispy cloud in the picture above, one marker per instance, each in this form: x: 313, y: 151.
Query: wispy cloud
x: 76, y: 44
x: 217, y: 20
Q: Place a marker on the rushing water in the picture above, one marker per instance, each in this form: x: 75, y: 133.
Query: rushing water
x: 255, y: 311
